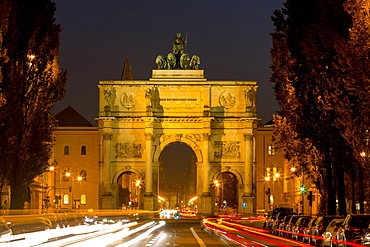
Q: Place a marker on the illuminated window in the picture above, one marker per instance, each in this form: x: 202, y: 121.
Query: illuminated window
x: 83, y: 175
x: 83, y: 150
x: 271, y: 150
x: 83, y: 199
x: 66, y: 150
x: 65, y: 199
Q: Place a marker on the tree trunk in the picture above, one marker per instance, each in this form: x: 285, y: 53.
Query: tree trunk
x: 341, y: 195
x: 361, y: 190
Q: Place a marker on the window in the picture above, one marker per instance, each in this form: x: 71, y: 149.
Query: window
x: 65, y: 199
x: 83, y: 175
x: 83, y: 199
x: 66, y: 150
x: 83, y: 150
x: 271, y: 150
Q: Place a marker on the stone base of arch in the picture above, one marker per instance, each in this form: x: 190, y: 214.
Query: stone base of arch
x: 106, y: 201
x: 150, y: 202
x: 249, y: 209
x: 206, y: 205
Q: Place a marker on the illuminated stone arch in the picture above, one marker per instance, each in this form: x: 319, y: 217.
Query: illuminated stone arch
x: 188, y: 142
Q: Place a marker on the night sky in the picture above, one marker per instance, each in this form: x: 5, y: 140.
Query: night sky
x: 231, y: 37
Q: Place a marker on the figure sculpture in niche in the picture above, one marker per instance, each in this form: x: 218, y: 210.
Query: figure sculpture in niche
x: 250, y: 96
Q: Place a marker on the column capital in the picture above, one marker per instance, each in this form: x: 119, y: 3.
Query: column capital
x: 248, y: 137
x: 149, y: 136
x: 107, y: 136
x: 206, y: 136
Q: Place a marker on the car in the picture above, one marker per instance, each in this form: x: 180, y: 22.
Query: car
x: 282, y: 225
x: 274, y: 225
x: 329, y: 236
x: 307, y: 231
x: 365, y: 239
x: 31, y: 223
x: 320, y: 225
x: 5, y: 230
x: 271, y: 216
x: 289, y: 226
x: 299, y: 226
x: 353, y: 228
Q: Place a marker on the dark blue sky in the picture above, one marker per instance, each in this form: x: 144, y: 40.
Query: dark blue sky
x: 231, y: 37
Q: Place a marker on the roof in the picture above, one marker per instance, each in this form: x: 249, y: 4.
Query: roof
x: 69, y: 117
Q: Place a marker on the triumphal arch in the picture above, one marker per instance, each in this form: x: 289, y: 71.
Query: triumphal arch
x: 139, y: 119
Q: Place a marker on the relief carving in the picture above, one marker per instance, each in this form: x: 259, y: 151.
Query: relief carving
x: 128, y: 150
x: 194, y: 137
x: 225, y: 149
x: 227, y: 100
x: 128, y: 100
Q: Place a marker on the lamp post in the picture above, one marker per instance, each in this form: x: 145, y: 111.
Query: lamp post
x: 137, y: 185
x: 218, y: 199
x: 271, y: 174
x: 79, y: 178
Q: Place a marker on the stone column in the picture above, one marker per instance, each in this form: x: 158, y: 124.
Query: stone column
x: 148, y: 164
x: 149, y: 199
x: 206, y: 165
x: 106, y: 189
x: 248, y: 196
x: 206, y: 205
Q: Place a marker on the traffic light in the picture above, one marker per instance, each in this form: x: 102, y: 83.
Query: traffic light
x: 268, y: 192
x: 309, y: 198
x: 302, y: 189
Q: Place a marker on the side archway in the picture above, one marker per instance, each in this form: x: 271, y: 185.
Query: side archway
x: 129, y: 190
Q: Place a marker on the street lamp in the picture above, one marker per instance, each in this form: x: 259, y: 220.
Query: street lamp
x: 137, y: 185
x: 271, y: 174
x: 78, y: 178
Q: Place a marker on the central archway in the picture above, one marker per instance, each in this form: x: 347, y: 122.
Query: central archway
x: 177, y: 176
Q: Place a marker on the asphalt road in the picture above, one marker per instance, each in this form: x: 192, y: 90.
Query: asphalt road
x: 181, y: 233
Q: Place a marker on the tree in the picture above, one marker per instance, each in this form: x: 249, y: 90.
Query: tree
x: 309, y: 69
x: 30, y: 83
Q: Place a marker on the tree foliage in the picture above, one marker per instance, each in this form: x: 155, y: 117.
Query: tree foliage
x: 320, y: 70
x: 30, y: 83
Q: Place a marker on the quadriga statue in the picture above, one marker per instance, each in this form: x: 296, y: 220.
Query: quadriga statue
x: 194, y: 62
x: 184, y: 61
x: 171, y: 61
x: 161, y: 62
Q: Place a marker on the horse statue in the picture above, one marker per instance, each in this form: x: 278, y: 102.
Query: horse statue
x: 194, y: 62
x: 184, y: 61
x: 161, y: 62
x: 171, y: 61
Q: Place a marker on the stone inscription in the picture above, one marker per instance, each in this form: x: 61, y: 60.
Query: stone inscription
x: 177, y: 99
x: 225, y: 149
x: 128, y: 150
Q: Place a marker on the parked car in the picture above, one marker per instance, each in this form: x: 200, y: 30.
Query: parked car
x: 329, y: 236
x: 365, y: 239
x: 289, y: 226
x: 307, y: 231
x: 282, y: 225
x: 299, y: 226
x: 271, y: 215
x: 274, y: 225
x: 353, y: 229
x: 31, y: 223
x: 320, y: 226
x: 5, y: 230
